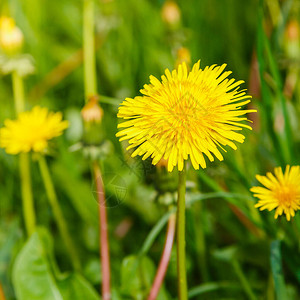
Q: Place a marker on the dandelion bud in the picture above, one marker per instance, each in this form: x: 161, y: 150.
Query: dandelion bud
x: 164, y: 181
x: 163, y: 163
x: 92, y: 115
x: 11, y: 37
x: 292, y: 34
x: 171, y: 13
x: 92, y: 112
x: 183, y: 55
x: 292, y: 30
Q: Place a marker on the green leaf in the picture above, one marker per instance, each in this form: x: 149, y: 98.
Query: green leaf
x: 277, y: 272
x: 155, y: 232
x: 35, y: 275
x: 226, y: 254
x: 32, y: 276
x: 76, y: 287
x: 210, y: 287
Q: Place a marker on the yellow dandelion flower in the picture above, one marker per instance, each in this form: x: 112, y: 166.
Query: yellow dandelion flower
x: 281, y: 191
x: 31, y: 131
x: 187, y: 114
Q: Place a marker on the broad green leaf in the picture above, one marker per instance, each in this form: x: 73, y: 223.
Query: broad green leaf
x: 36, y: 277
x: 32, y: 276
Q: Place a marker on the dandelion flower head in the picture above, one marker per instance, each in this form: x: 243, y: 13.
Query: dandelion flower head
x: 31, y: 131
x: 280, y: 192
x: 186, y: 114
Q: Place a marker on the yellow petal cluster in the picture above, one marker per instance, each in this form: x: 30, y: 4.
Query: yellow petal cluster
x: 186, y: 114
x: 31, y: 131
x: 281, y: 191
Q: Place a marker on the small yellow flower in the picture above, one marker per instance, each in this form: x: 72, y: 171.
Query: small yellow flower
x: 31, y: 131
x: 11, y: 37
x: 187, y: 114
x: 281, y: 191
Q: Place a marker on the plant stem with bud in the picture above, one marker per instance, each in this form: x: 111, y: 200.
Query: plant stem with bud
x: 90, y: 86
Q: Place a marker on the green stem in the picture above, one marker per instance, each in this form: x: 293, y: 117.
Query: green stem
x: 181, y: 265
x: 62, y: 225
x: 27, y: 198
x: 24, y: 162
x: 243, y: 280
x: 18, y: 90
x: 89, y: 62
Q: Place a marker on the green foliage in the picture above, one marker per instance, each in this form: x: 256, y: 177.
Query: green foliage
x: 233, y: 250
x: 36, y: 277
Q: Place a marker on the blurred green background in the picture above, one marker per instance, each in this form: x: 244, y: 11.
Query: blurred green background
x: 233, y: 250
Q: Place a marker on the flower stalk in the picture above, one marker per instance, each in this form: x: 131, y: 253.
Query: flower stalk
x: 26, y: 190
x: 18, y: 90
x: 181, y: 260
x: 62, y: 225
x: 24, y: 162
x: 89, y: 49
x: 104, y: 244
x: 164, y: 261
x: 90, y: 86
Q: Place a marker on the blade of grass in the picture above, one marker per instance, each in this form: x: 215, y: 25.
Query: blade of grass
x: 279, y: 91
x: 266, y: 95
x: 155, y: 232
x: 211, y: 287
x: 244, y: 282
x: 275, y: 257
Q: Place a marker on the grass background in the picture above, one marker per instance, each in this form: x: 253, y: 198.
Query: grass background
x: 234, y: 251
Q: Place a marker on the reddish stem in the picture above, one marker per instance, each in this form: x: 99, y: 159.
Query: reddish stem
x: 164, y: 261
x: 104, y: 246
x: 2, y: 296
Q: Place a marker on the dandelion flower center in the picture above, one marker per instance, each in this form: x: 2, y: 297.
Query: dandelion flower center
x: 286, y: 195
x: 185, y: 115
